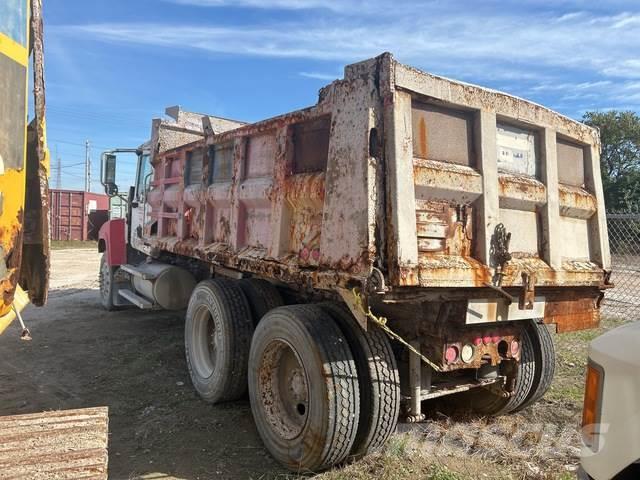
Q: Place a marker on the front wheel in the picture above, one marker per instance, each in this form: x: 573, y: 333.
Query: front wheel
x: 107, y: 283
x: 303, y: 388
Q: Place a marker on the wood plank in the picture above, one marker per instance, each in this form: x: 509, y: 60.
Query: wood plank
x: 65, y: 444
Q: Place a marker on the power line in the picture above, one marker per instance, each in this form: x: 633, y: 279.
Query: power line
x: 51, y: 140
x: 69, y: 166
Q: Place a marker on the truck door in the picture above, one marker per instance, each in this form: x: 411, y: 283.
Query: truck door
x: 140, y: 210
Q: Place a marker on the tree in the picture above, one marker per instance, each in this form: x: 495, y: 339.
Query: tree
x: 620, y: 157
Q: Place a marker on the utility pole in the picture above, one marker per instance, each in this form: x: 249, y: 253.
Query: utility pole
x: 59, y: 172
x: 87, y: 166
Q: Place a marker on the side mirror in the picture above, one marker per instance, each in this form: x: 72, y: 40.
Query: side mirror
x: 109, y: 174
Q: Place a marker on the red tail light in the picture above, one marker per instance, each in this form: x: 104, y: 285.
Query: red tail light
x: 451, y: 354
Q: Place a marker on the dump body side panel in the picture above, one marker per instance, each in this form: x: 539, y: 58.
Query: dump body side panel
x: 293, y: 197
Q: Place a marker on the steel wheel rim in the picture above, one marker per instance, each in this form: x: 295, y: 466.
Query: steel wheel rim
x: 206, y: 342
x: 284, y: 389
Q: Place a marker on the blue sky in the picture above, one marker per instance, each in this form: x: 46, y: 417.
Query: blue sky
x: 113, y: 65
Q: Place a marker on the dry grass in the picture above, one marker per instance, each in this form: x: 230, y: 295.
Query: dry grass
x: 542, y: 442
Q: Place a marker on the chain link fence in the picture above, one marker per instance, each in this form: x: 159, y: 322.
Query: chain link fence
x: 624, y: 241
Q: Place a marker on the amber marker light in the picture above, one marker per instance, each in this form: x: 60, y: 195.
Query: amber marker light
x: 592, y: 405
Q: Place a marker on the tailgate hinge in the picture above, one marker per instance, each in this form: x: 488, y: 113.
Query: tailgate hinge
x: 527, y: 296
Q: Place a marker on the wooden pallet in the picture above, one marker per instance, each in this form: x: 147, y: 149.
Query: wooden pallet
x: 64, y: 444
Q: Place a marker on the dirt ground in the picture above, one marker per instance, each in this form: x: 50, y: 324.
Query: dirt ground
x: 133, y: 362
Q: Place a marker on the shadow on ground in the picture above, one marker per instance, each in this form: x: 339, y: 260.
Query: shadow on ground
x: 133, y: 362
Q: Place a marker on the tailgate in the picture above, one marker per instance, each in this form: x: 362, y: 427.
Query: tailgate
x: 466, y: 160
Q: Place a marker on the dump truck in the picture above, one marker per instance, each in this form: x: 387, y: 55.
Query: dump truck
x: 407, y: 237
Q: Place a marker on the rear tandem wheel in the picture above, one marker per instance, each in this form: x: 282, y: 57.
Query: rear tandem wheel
x: 303, y: 388
x: 217, y: 335
x: 378, y: 380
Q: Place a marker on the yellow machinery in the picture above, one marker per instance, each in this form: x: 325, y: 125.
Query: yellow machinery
x: 24, y: 160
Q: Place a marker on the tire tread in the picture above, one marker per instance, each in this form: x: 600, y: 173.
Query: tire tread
x: 378, y: 380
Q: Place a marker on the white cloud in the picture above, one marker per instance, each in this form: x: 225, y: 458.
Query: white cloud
x: 319, y: 75
x: 339, y: 6
x: 335, y: 5
x: 436, y: 40
x: 629, y: 68
x: 578, y: 58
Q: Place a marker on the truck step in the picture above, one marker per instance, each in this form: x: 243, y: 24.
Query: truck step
x: 148, y: 271
x: 136, y: 299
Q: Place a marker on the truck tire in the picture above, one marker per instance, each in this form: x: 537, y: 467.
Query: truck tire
x: 378, y: 380
x: 261, y: 295
x: 303, y: 388
x: 545, y: 361
x: 486, y: 402
x: 107, y: 284
x: 217, y: 336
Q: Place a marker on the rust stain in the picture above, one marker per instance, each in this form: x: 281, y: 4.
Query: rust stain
x: 573, y: 311
x: 576, y: 198
x: 521, y: 187
x: 422, y: 137
x: 12, y: 258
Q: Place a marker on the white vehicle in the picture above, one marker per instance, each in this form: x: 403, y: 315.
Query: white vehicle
x: 611, y: 416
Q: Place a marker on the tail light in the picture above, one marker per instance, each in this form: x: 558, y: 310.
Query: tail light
x: 467, y: 353
x: 451, y: 354
x: 592, y: 405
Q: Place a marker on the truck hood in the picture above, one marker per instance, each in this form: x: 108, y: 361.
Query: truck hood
x: 620, y: 345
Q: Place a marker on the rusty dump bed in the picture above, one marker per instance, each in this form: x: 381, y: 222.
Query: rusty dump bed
x: 398, y: 174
